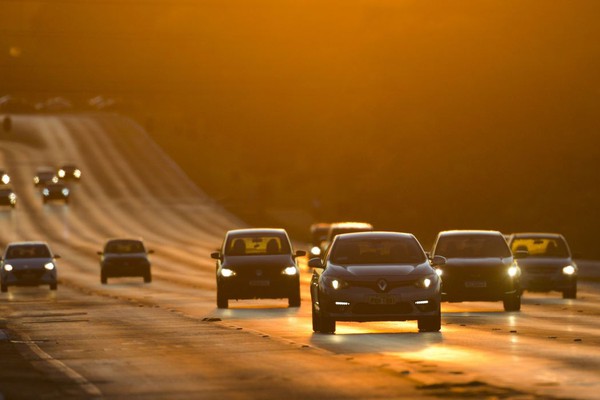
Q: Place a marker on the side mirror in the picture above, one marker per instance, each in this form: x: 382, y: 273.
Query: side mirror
x: 316, y: 263
x: 57, y: 256
x: 216, y: 255
x: 520, y: 254
x: 300, y: 253
x: 437, y: 261
x: 99, y: 253
x: 150, y: 251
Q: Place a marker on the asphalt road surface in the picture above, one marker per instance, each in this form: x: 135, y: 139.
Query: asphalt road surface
x: 167, y: 340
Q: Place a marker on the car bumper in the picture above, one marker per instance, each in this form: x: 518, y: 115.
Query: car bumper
x: 29, y: 278
x: 125, y: 270
x: 267, y: 288
x: 548, y: 282
x: 364, y: 305
x: 484, y: 290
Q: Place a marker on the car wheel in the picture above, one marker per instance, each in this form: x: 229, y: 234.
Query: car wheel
x: 512, y: 303
x: 3, y: 288
x: 103, y: 279
x: 148, y: 277
x: 430, y: 324
x: 327, y: 324
x: 316, y: 321
x: 53, y: 286
x: 570, y: 293
x: 294, y: 300
x: 222, y: 300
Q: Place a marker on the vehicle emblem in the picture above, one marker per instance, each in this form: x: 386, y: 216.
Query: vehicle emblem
x: 382, y: 285
x: 259, y: 272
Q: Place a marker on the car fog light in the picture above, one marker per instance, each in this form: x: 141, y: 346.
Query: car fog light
x: 568, y: 270
x: 8, y: 267
x: 49, y: 266
x: 226, y: 273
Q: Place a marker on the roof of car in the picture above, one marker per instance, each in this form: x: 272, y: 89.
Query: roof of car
x: 261, y: 231
x: 28, y: 243
x: 376, y: 235
x: 470, y: 232
x: 537, y: 234
x: 124, y: 239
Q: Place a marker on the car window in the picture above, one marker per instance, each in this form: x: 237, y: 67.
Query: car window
x: 541, y: 247
x: 472, y: 246
x: 377, y: 251
x: 28, y: 251
x: 257, y: 245
x: 124, y: 247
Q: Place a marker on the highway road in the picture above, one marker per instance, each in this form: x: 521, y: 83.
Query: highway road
x: 167, y: 340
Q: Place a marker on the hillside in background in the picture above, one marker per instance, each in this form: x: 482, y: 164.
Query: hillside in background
x: 415, y: 116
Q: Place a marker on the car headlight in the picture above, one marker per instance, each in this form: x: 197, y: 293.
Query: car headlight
x: 439, y: 272
x: 226, y: 272
x: 45, y: 192
x: 77, y: 174
x: 426, y: 282
x: 55, y: 179
x: 65, y: 192
x: 512, y: 271
x: 36, y: 180
x: 5, y: 179
x: 61, y: 173
x: 338, y: 284
x: 315, y: 251
x: 49, y: 266
x: 8, y: 267
x: 290, y: 271
x: 568, y: 270
x: 12, y: 197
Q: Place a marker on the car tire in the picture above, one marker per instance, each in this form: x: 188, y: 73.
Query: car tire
x: 222, y: 300
x: 3, y: 288
x: 512, y: 303
x: 430, y: 324
x: 570, y: 293
x: 53, y: 286
x: 327, y: 324
x: 294, y: 300
x: 316, y: 321
x: 148, y: 277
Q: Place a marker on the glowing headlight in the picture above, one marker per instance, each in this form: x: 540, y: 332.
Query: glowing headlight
x: 226, y: 273
x: 65, y: 192
x: 290, y: 271
x: 512, y: 271
x: 45, y: 192
x: 8, y: 267
x: 425, y: 282
x: 36, y: 180
x: 336, y: 284
x: 315, y: 251
x: 12, y: 197
x: 61, y: 173
x: 55, y: 179
x: 77, y: 173
x: 5, y: 179
x: 569, y: 270
x: 49, y: 266
x: 439, y: 272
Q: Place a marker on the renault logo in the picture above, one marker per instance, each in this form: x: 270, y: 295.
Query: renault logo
x: 382, y: 285
x: 259, y: 272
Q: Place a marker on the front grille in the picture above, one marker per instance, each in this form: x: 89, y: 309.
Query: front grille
x: 374, y: 287
x: 373, y: 309
x: 28, y: 275
x: 542, y: 270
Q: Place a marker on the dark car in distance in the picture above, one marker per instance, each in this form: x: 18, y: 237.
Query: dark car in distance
x: 318, y: 234
x: 56, y: 191
x: 7, y: 197
x: 28, y: 264
x: 69, y: 172
x: 479, y: 267
x: 548, y: 265
x: 4, y: 177
x: 375, y: 276
x: 125, y: 257
x: 44, y: 176
x: 257, y: 264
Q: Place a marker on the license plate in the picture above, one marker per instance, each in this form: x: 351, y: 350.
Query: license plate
x: 382, y: 300
x: 260, y: 283
x: 475, y: 284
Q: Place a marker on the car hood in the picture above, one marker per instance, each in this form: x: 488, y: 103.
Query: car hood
x: 28, y: 263
x: 379, y: 270
x: 545, y: 262
x: 259, y: 261
x: 487, y: 262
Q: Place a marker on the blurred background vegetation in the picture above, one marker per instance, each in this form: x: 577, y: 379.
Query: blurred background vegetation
x: 414, y: 116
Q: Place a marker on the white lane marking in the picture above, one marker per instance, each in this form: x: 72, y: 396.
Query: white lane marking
x: 87, y: 386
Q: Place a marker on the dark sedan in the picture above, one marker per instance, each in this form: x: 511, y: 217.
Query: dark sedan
x: 257, y: 264
x: 125, y: 257
x: 548, y: 265
x: 375, y: 276
x: 7, y: 197
x: 56, y: 191
x: 69, y: 172
x: 28, y: 264
x: 479, y: 267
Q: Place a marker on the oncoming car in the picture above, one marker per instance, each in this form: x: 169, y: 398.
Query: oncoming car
x: 257, y: 264
x: 375, y: 276
x: 69, y: 172
x: 56, y: 191
x: 44, y: 176
x: 479, y: 267
x: 28, y: 264
x: 318, y: 234
x: 548, y: 265
x: 4, y: 177
x: 338, y: 228
x: 124, y: 257
x: 8, y: 197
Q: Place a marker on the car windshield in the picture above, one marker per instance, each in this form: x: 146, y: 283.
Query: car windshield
x: 28, y: 251
x: 256, y: 245
x: 377, y: 251
x: 472, y: 246
x: 124, y: 247
x: 541, y: 247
